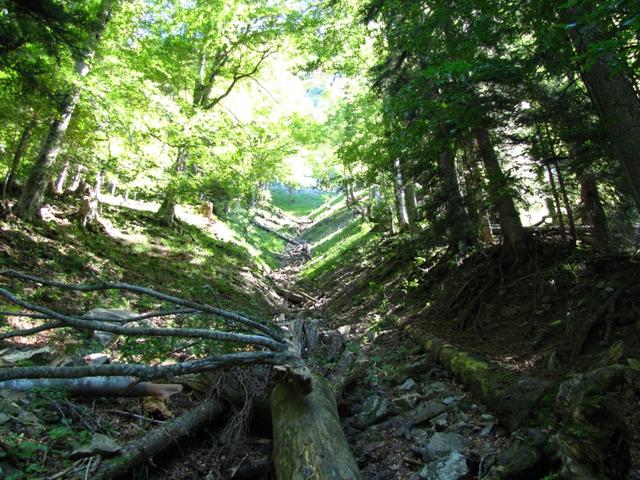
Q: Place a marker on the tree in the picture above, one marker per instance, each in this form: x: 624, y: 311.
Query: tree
x: 30, y: 202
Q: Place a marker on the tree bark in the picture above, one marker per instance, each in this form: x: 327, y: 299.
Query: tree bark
x: 556, y: 201
x: 62, y: 178
x: 166, y: 214
x: 400, y: 201
x: 77, y: 179
x: 411, y: 202
x: 32, y: 198
x: 158, y: 440
x: 593, y: 212
x: 308, y: 441
x: 567, y: 204
x: 23, y: 143
x: 512, y: 232
x: 613, y: 95
x: 458, y: 221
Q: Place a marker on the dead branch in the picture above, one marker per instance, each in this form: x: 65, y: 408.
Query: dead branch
x: 145, y: 371
x: 274, y: 232
x: 158, y: 440
x: 84, y: 323
x: 103, y: 286
x: 95, y: 386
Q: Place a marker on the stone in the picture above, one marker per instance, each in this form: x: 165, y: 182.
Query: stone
x: 442, y: 444
x: 423, y: 413
x: 100, y: 445
x: 39, y: 355
x: 97, y: 359
x: 408, y: 385
x: 487, y: 429
x: 441, y: 422
x: 450, y: 400
x: 406, y: 401
x: 452, y: 467
x: 421, y: 365
x: 375, y: 409
x: 420, y: 435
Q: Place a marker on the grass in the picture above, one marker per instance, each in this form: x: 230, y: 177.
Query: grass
x: 300, y: 203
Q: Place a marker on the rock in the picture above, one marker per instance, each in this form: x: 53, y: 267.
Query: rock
x: 97, y: 358
x: 487, y: 429
x: 444, y: 443
x: 462, y: 428
x: 408, y: 385
x: 518, y: 461
x: 40, y: 355
x: 375, y: 409
x: 420, y: 436
x: 440, y: 423
x: 406, y: 401
x: 423, y: 413
x: 421, y: 365
x: 100, y: 445
x: 115, y: 314
x: 453, y: 467
x: 450, y: 400
x: 434, y: 388
x: 4, y: 418
x: 344, y: 330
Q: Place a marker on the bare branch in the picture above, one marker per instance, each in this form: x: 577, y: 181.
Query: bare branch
x: 144, y: 291
x: 144, y: 371
x: 84, y: 323
x: 32, y: 331
x: 237, y: 77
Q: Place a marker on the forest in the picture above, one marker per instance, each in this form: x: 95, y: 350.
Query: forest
x: 320, y: 239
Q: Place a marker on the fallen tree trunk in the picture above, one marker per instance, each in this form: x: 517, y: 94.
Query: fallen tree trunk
x: 95, y: 386
x: 158, y: 440
x: 276, y: 233
x: 517, y: 399
x: 308, y: 441
x: 588, y: 436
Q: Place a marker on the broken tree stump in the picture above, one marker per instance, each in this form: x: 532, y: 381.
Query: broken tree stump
x: 308, y: 441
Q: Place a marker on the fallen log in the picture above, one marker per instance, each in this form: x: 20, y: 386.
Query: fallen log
x: 95, y: 386
x: 156, y: 441
x: 517, y: 399
x: 308, y: 441
x: 275, y: 232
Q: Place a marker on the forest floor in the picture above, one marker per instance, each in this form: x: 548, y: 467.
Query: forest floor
x: 559, y: 311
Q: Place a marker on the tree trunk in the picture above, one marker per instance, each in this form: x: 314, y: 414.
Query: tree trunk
x: 512, y: 232
x: 166, y: 214
x: 23, y: 143
x: 62, y: 178
x: 158, y: 440
x: 400, y: 201
x: 567, y: 204
x: 28, y: 206
x: 308, y: 441
x: 98, y: 185
x: 473, y: 180
x: 411, y: 203
x: 458, y: 221
x: 556, y: 200
x: 77, y: 179
x: 592, y: 210
x: 614, y: 97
